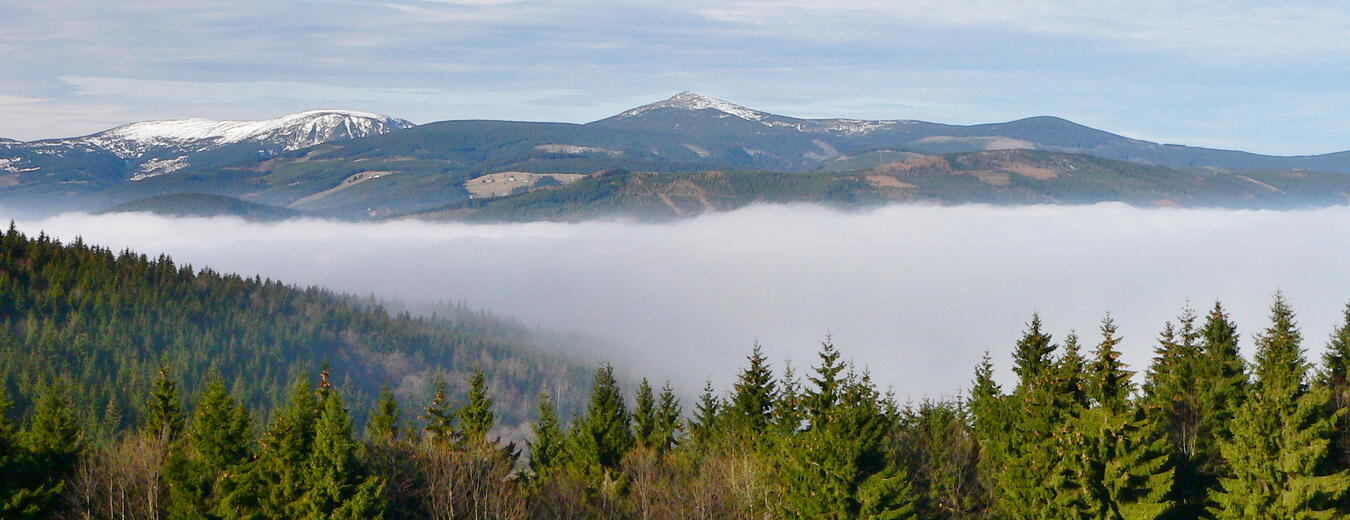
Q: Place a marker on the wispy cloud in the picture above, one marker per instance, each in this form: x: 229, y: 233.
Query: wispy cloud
x: 1260, y: 76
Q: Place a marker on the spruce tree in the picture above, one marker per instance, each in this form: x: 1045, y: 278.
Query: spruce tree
x: 1280, y: 437
x: 384, y: 423
x: 1335, y: 376
x: 787, y: 409
x: 164, y: 417
x: 750, y: 411
x: 1032, y: 355
x: 336, y: 486
x: 1174, y: 402
x: 548, y: 443
x: 704, y: 424
x: 644, y: 415
x: 217, y: 444
x: 53, y: 444
x: 990, y: 425
x: 602, y: 436
x: 667, y: 420
x: 1128, y: 473
x: 277, y: 480
x: 438, y: 418
x: 23, y: 493
x: 477, y: 417
x: 839, y: 467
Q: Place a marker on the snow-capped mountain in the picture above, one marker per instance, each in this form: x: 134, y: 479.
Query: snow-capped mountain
x: 291, y: 132
x: 152, y: 148
x: 681, y: 105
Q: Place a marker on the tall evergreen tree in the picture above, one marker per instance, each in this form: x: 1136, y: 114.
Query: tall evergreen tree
x: 1335, y: 376
x: 750, y: 411
x: 336, y: 486
x: 668, y: 413
x: 216, y: 445
x: 704, y: 424
x: 602, y: 436
x: 548, y: 443
x: 644, y: 415
x: 1127, y: 475
x: 477, y: 416
x: 384, y: 423
x: 438, y: 418
x: 839, y: 468
x: 1174, y: 401
x: 787, y: 409
x: 23, y: 493
x: 989, y: 425
x: 164, y: 418
x: 53, y: 444
x: 278, y: 479
x: 1032, y: 355
x: 1280, y: 436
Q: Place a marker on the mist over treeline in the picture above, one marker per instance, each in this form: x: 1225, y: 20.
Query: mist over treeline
x: 1208, y: 434
x: 917, y: 293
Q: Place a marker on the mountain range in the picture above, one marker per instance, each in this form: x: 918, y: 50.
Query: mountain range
x: 345, y: 164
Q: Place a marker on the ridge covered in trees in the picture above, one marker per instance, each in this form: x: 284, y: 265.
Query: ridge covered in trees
x: 1207, y: 435
x: 101, y: 325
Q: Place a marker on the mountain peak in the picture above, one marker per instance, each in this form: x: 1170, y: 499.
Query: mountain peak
x: 693, y: 101
x: 350, y: 122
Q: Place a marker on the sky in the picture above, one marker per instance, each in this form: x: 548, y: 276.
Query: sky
x: 1261, y: 76
x: 916, y: 294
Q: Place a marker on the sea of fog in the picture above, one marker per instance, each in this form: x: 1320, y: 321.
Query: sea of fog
x: 915, y: 293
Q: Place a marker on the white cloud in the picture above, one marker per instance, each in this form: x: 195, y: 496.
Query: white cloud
x: 915, y: 293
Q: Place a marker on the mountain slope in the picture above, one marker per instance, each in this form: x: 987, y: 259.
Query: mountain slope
x: 991, y: 177
x: 106, y: 321
x: 203, y: 205
x: 363, y: 168
x: 59, y: 170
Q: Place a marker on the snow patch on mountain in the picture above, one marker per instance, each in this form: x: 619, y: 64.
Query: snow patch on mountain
x: 694, y: 102
x: 157, y: 167
x: 690, y: 101
x: 291, y: 132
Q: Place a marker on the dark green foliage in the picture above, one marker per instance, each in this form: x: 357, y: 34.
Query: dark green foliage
x: 601, y: 436
x: 109, y: 321
x: 548, y: 443
x: 1335, y: 376
x: 1127, y: 471
x: 384, y: 424
x: 1280, y: 436
x: 336, y: 488
x: 704, y: 424
x: 51, y: 449
x: 217, y: 444
x: 840, y: 466
x: 477, y: 417
x: 164, y: 412
x: 644, y: 416
x: 668, y: 420
x: 26, y: 489
x: 438, y: 417
x: 750, y: 411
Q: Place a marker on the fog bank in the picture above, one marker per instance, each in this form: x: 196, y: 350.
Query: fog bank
x: 915, y: 293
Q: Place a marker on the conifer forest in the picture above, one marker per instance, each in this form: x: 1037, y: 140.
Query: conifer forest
x: 108, y: 431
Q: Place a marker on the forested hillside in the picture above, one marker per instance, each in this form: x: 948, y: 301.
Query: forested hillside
x: 101, y: 325
x: 1207, y: 434
x: 1003, y: 177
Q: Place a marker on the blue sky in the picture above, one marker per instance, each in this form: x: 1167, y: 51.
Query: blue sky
x: 1269, y: 78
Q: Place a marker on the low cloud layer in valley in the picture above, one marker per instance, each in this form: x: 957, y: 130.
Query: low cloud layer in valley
x: 915, y: 293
